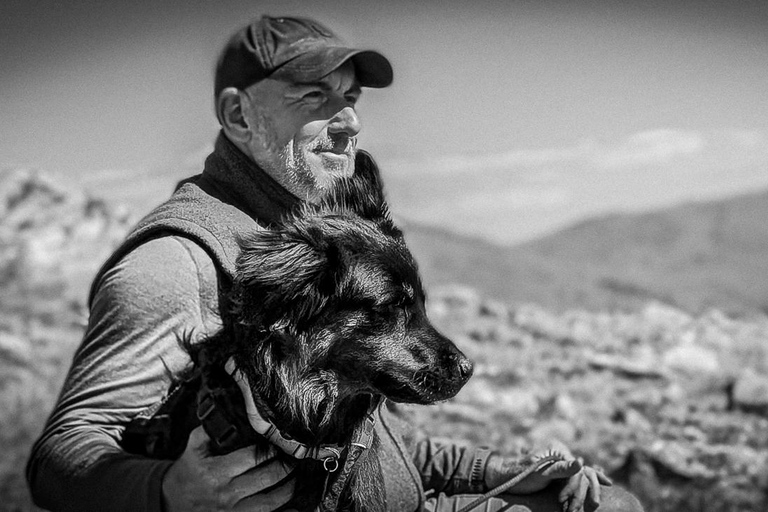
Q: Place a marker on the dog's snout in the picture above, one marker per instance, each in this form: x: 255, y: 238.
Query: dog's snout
x: 459, y: 363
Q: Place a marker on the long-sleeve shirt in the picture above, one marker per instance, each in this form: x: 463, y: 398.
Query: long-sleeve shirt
x: 165, y: 287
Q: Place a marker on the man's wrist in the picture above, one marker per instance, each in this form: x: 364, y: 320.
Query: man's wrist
x: 499, y: 469
x: 477, y: 478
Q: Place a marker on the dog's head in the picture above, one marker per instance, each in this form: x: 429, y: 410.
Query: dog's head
x: 336, y: 295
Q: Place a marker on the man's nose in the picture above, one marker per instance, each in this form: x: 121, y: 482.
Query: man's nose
x: 345, y: 121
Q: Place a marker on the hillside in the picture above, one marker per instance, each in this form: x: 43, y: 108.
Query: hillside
x: 694, y: 256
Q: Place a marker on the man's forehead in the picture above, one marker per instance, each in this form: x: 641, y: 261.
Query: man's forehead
x: 343, y: 78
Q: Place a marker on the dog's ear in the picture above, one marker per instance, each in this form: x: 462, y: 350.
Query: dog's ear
x: 361, y: 193
x: 285, y: 276
x: 371, y: 188
x: 367, y: 178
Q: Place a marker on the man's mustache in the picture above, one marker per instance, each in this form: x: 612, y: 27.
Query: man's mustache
x: 339, y: 145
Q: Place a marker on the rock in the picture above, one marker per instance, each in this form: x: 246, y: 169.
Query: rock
x: 14, y: 350
x: 658, y: 313
x: 635, y: 420
x: 673, y: 393
x: 750, y: 393
x: 692, y: 361
x: 565, y: 407
x: 694, y: 434
x: 546, y: 432
x: 495, y: 309
x: 644, y: 398
x: 518, y: 402
x: 53, y: 234
x: 625, y: 367
x: 512, y: 401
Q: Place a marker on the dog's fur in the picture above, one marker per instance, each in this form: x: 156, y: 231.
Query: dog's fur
x: 327, y: 314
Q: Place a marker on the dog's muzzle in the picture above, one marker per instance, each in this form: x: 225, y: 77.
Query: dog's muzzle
x: 445, y: 379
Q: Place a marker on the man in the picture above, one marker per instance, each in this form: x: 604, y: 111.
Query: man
x: 285, y: 91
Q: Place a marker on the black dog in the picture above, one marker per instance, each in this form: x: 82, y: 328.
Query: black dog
x: 327, y: 320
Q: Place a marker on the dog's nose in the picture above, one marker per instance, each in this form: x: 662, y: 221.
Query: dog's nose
x: 465, y: 367
x: 459, y: 365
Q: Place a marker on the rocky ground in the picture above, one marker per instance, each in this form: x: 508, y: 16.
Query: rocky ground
x: 673, y: 406
x: 52, y: 240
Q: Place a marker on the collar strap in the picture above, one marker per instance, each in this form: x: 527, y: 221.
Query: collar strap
x: 329, y: 454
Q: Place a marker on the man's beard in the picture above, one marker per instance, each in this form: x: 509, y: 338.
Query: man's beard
x: 300, y: 177
x: 288, y: 164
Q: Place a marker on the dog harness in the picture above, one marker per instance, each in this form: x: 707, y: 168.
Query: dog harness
x: 328, y: 454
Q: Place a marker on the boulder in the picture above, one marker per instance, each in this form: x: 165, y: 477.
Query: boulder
x: 749, y: 393
x: 691, y: 360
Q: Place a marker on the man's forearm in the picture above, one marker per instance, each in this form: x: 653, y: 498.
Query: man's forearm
x: 451, y: 468
x: 105, y: 478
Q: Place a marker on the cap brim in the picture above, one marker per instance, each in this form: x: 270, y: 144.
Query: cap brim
x: 372, y: 69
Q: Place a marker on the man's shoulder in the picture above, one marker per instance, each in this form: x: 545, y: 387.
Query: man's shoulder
x: 158, y: 273
x: 164, y: 258
x: 167, y: 250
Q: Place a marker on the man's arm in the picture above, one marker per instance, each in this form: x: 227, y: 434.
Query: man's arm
x: 128, y: 360
x: 443, y: 465
x: 451, y: 468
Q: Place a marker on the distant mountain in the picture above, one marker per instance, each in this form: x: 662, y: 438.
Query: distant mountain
x: 694, y: 256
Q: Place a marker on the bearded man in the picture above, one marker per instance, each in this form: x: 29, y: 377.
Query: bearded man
x: 285, y: 94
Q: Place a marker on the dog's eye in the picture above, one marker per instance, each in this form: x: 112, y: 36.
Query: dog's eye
x: 393, y: 310
x: 386, y: 309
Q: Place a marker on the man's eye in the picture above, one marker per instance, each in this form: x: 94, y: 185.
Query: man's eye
x: 352, y: 100
x: 313, y: 96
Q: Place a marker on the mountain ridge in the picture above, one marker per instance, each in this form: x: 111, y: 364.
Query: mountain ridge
x: 694, y: 256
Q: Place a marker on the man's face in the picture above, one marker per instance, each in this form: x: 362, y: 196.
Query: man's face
x: 304, y: 135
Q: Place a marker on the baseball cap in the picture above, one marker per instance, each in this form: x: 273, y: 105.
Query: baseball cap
x: 298, y: 50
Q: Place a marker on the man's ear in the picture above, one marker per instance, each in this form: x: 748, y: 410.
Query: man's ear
x: 229, y: 112
x: 285, y: 276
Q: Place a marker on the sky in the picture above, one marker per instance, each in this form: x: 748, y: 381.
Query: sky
x: 507, y: 119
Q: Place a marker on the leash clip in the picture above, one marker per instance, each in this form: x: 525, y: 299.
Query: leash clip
x: 331, y: 463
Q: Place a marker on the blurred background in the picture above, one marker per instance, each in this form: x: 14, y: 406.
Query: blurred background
x: 584, y: 184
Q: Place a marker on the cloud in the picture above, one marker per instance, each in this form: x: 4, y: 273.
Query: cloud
x: 487, y: 162
x: 519, y: 194
x: 652, y: 147
x: 748, y: 138
x: 649, y: 148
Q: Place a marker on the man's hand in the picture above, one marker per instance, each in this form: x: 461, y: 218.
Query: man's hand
x: 235, y: 481
x: 582, y: 482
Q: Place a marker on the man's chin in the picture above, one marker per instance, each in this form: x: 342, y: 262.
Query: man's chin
x: 328, y: 165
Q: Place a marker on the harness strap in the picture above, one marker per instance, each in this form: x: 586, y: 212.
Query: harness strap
x: 271, y: 432
x: 361, y: 441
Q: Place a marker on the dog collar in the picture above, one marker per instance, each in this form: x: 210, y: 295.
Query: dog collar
x: 329, y: 454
